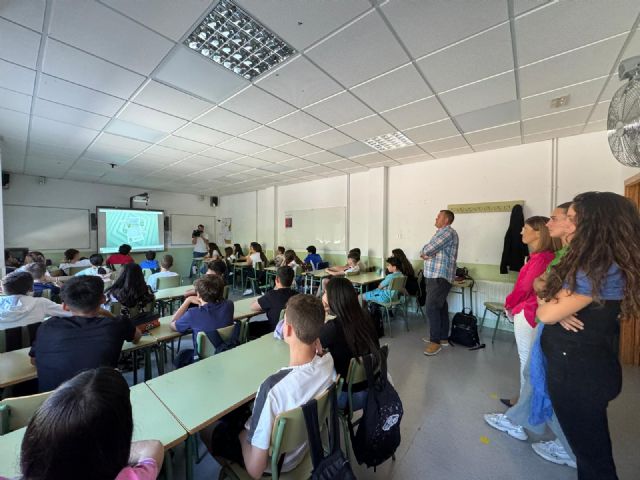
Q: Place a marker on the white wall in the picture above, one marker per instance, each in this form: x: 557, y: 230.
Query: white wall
x: 359, y: 211
x: 266, y: 218
x: 26, y: 190
x: 241, y: 208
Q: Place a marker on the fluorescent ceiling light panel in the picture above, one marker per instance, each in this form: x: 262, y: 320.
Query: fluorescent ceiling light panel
x: 235, y: 40
x: 389, y: 141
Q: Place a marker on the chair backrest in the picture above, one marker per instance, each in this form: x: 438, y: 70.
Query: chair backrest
x: 16, y: 412
x: 225, y: 292
x: 168, y: 282
x: 147, y: 272
x: 258, y: 266
x: 204, y: 347
x: 290, y: 431
x: 16, y: 338
x: 73, y: 270
x: 357, y: 373
x: 398, y: 283
x: 46, y: 293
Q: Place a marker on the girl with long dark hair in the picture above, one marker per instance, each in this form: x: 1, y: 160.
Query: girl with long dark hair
x: 595, y: 283
x: 407, y: 270
x: 130, y: 288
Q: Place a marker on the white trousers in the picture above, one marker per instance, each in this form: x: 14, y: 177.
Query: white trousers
x: 525, y: 336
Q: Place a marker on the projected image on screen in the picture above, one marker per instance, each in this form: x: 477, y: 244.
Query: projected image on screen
x: 143, y: 230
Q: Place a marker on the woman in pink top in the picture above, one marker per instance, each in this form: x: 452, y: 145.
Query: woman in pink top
x: 521, y: 303
x: 83, y: 430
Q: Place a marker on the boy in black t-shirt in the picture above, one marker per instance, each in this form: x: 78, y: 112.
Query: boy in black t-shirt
x: 89, y: 339
x: 273, y: 302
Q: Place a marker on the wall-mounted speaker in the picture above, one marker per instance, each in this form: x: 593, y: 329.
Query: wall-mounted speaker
x: 213, y: 201
x: 94, y: 221
x: 167, y: 224
x: 5, y: 180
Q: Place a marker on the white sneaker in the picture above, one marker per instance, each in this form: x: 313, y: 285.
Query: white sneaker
x: 247, y: 292
x: 553, y: 451
x: 499, y: 421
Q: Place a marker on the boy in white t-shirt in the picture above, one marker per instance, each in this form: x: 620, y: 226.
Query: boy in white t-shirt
x: 307, y: 376
x: 165, y: 271
x: 18, y: 308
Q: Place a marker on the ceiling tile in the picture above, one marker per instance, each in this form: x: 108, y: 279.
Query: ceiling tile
x: 319, y: 169
x: 61, y: 91
x: 100, y: 31
x: 432, y: 131
x: 453, y: 152
x: 201, y: 134
x: 205, y: 78
x: 18, y: 44
x: 298, y: 124
x: 303, y: 23
x: 275, y: 168
x: 601, y: 112
x: 367, y: 128
x: 352, y: 149
x: 227, y: 121
x: 180, y: 143
x: 339, y: 109
x: 442, y: 22
x: 166, y: 152
x: 404, y: 152
x: 295, y: 163
x: 71, y: 64
x: 415, y: 159
x: 232, y: 168
x: 114, y: 148
x: 417, y: 113
x: 252, y: 162
x: 258, y: 105
x: 581, y: 94
x: 47, y: 131
x: 166, y: 99
x: 522, y: 6
x: 267, y: 136
x: 150, y: 118
x: 149, y: 162
x: 15, y: 77
x: 492, y: 91
x: 28, y: 14
x: 569, y: 68
x: 299, y: 82
x: 63, y: 153
x: 557, y: 120
x: 167, y: 17
x: 204, y: 162
x: 398, y: 87
x: 15, y: 101
x: 329, y: 139
x: 500, y: 114
x: 507, y: 142
x: 493, y: 134
x: 364, y: 49
x: 220, y: 154
x: 272, y: 155
x: 597, y: 126
x: 563, y: 26
x: 489, y: 53
x: 241, y: 146
x: 357, y: 169
x: 322, y: 157
x: 62, y: 113
x: 561, y: 132
x: 444, y: 144
x: 133, y: 130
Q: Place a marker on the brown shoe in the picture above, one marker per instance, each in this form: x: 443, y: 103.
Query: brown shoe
x: 432, y: 349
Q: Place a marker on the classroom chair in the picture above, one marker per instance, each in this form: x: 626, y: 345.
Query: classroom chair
x: 204, y: 347
x: 147, y: 272
x: 255, y: 281
x: 16, y: 338
x: 498, y: 310
x: 397, y: 284
x: 16, y: 412
x: 71, y: 271
x: 225, y: 292
x: 288, y: 433
x: 168, y: 282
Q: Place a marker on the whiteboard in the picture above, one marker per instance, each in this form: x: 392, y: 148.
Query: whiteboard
x: 326, y: 228
x: 183, y: 225
x: 46, y: 228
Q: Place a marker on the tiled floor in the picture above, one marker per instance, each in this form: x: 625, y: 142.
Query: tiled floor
x: 443, y: 433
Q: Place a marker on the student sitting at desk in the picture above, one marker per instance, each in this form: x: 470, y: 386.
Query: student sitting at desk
x: 72, y: 259
x: 384, y: 293
x: 150, y: 262
x: 96, y: 267
x: 18, y: 308
x: 122, y: 257
x: 36, y: 257
x: 312, y: 258
x: 212, y: 310
x: 256, y: 255
x: 216, y: 268
x: 84, y: 429
x: 165, y: 271
x: 307, y: 376
x: 273, y: 302
x: 90, y: 338
x: 238, y: 254
x: 37, y: 271
x: 352, y: 266
x: 278, y: 261
x: 130, y: 288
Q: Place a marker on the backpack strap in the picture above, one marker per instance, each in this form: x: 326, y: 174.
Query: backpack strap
x: 310, y: 412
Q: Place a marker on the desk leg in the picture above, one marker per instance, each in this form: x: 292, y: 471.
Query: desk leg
x: 462, y: 288
x: 148, y: 374
x: 134, y: 357
x: 190, y: 444
x: 162, y: 352
x: 168, y: 465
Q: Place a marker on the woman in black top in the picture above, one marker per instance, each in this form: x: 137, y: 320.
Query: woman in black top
x: 351, y: 334
x: 407, y: 270
x: 130, y: 288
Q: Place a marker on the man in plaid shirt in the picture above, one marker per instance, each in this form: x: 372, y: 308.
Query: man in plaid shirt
x: 439, y: 257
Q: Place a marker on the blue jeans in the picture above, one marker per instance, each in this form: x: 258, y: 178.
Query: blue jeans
x: 357, y: 398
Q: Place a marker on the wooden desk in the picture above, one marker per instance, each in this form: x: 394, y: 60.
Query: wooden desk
x: 201, y: 393
x: 242, y: 308
x: 239, y: 267
x: 15, y: 367
x: 151, y: 421
x: 363, y: 279
x: 171, y: 293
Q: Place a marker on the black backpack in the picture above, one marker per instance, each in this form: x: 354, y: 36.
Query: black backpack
x: 375, y: 314
x: 334, y: 465
x: 378, y: 434
x: 464, y: 330
x: 222, y: 346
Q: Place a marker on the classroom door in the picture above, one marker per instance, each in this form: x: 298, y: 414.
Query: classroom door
x: 630, y: 328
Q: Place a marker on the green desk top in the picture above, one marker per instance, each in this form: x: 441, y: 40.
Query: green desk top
x: 463, y: 283
x: 242, y: 308
x: 151, y: 421
x: 241, y: 265
x: 145, y: 341
x: 201, y: 393
x: 15, y: 367
x: 175, y: 292
x: 365, y: 278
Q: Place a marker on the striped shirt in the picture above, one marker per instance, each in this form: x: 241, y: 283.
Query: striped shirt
x: 443, y: 252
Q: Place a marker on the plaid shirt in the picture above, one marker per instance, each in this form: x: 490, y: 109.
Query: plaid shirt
x: 443, y: 250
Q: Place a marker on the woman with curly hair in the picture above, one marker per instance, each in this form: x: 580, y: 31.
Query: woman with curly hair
x: 595, y: 283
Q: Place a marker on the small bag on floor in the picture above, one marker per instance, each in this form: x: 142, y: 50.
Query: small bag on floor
x: 464, y: 330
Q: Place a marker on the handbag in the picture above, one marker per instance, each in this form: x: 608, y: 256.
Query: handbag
x: 146, y: 321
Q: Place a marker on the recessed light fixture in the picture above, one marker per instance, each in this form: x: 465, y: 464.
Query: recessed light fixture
x: 389, y: 141
x: 235, y: 40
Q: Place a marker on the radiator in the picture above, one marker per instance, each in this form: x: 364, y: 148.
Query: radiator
x: 483, y: 291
